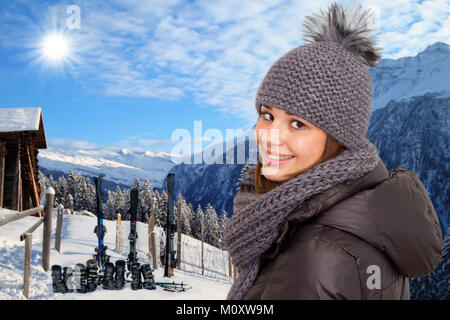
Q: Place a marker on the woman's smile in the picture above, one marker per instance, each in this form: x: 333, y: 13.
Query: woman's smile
x: 275, y: 159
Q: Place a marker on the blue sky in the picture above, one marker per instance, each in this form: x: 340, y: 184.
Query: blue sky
x: 137, y: 70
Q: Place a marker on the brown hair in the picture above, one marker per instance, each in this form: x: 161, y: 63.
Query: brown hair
x: 263, y: 185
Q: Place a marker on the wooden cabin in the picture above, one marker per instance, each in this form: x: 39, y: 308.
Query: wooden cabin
x: 21, y: 136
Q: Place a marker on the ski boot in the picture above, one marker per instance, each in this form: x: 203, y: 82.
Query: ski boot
x: 104, y: 230
x: 67, y: 277
x: 57, y: 280
x: 108, y: 277
x: 80, y: 278
x: 149, y: 281
x: 92, y: 275
x: 136, y: 276
x: 120, y: 274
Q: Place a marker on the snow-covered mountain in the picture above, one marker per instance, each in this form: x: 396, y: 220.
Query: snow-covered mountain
x: 121, y: 166
x: 427, y: 72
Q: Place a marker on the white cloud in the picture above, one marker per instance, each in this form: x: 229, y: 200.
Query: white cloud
x: 407, y: 27
x: 215, y: 51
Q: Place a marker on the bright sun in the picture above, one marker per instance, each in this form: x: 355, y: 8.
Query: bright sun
x: 55, y: 47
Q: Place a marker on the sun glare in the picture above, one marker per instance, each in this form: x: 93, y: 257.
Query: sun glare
x: 55, y: 47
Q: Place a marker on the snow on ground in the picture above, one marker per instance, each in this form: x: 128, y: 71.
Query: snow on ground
x: 77, y: 246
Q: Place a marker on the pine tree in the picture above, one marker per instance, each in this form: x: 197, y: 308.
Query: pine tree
x: 73, y: 185
x: 242, y: 174
x: 161, y: 214
x: 109, y: 209
x: 190, y: 216
x: 61, y: 190
x: 141, y: 210
x: 120, y: 203
x: 54, y: 185
x: 224, y: 221
x: 187, y: 216
x: 196, y: 226
x: 146, y: 199
x: 42, y: 182
x: 91, y: 196
x: 157, y: 215
x: 211, y: 227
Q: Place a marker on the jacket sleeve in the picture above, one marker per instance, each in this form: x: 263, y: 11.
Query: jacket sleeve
x: 314, y: 269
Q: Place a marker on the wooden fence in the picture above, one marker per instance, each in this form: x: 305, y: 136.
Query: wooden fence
x: 46, y: 205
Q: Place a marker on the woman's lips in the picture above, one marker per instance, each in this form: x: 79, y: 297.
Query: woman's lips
x: 275, y: 162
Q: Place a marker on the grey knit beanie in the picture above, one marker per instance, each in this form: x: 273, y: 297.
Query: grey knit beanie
x: 325, y: 81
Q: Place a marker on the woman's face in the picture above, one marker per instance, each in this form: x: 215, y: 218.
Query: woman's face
x: 287, y: 143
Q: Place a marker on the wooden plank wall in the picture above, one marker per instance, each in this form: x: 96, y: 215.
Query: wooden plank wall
x: 21, y: 189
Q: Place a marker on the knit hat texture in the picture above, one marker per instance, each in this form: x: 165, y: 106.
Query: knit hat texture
x: 326, y: 82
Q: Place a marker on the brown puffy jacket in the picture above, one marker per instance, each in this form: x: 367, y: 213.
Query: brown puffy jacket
x: 358, y: 240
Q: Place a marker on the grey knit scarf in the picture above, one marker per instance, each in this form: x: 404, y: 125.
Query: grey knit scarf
x: 253, y: 229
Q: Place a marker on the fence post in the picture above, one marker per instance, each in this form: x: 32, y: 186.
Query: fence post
x: 180, y: 218
x: 118, y: 225
x: 152, y: 234
x: 59, y: 222
x: 230, y: 266
x: 26, y: 272
x: 202, y: 235
x: 49, y: 198
x: 69, y: 204
x: 155, y: 260
x: 2, y: 170
x: 152, y: 243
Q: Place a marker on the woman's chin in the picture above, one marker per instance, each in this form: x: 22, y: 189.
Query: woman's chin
x: 274, y: 173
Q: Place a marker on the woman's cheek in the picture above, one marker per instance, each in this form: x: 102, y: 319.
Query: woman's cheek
x: 298, y: 148
x: 255, y: 135
x: 260, y: 131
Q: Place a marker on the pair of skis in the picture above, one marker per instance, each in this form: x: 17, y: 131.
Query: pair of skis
x: 173, y: 286
x: 169, y: 256
x: 101, y: 257
x: 132, y: 256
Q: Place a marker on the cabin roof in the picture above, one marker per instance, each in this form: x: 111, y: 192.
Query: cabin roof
x: 16, y: 120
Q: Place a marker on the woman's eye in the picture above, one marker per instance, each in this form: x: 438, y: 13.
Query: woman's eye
x: 266, y: 116
x: 297, y: 124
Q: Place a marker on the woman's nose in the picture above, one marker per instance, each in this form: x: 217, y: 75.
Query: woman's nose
x: 276, y: 133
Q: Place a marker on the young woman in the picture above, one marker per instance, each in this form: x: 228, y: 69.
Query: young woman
x: 319, y: 216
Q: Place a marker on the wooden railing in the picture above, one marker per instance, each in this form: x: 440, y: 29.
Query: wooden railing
x: 46, y: 205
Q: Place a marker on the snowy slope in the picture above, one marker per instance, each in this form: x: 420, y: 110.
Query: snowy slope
x: 78, y: 243
x: 121, y: 166
x: 427, y: 72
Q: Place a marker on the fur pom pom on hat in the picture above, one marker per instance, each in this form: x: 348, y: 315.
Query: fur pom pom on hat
x: 325, y: 81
